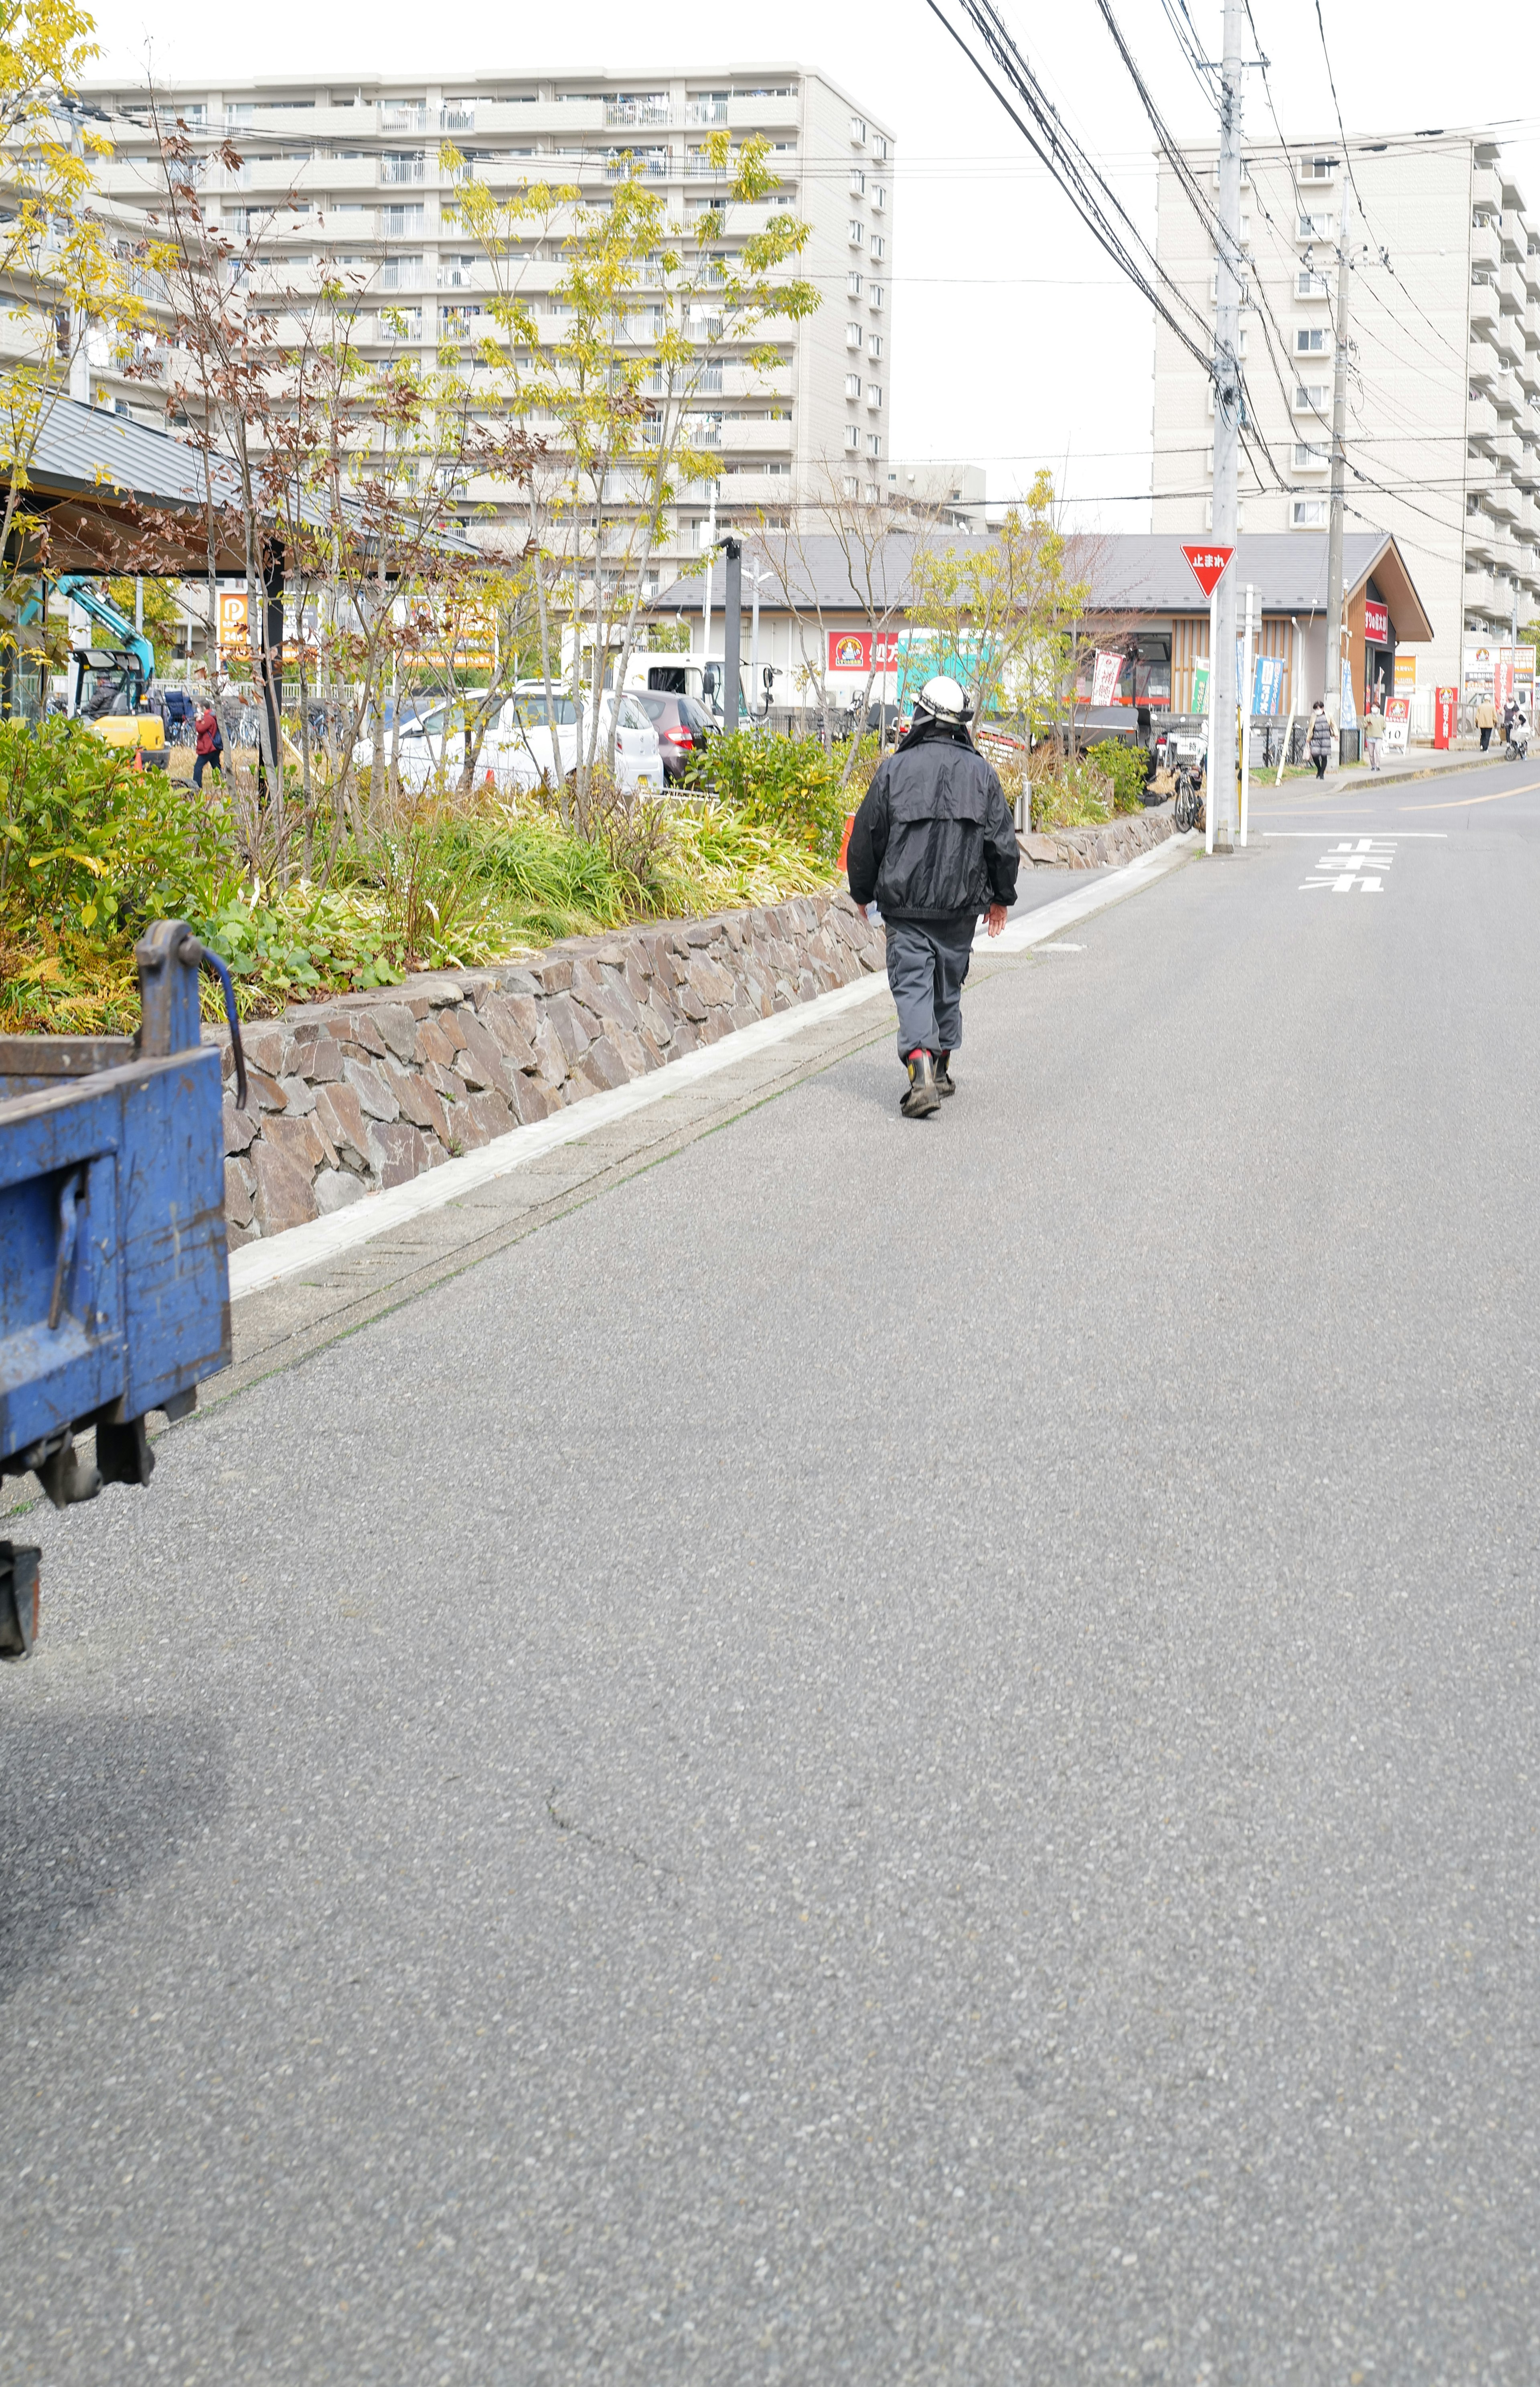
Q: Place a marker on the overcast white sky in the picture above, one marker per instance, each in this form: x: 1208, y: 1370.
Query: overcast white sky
x: 1013, y: 345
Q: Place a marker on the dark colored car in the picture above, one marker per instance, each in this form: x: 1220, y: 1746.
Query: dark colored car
x: 683, y: 727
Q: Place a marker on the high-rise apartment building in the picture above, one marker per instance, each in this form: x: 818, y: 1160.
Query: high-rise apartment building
x: 351, y: 169
x: 1442, y: 438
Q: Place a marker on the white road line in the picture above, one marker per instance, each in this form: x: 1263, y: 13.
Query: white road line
x: 1314, y: 833
x: 320, y: 1241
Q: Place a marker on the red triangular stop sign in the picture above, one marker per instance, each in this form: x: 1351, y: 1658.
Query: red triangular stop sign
x: 1209, y: 563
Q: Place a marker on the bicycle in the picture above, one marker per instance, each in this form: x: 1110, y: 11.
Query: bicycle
x: 1187, y: 810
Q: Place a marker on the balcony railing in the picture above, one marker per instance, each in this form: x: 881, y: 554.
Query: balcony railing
x: 403, y: 116
x: 402, y: 166
x: 638, y: 107
x: 708, y: 108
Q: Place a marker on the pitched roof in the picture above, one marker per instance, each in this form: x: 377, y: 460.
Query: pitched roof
x: 1132, y: 572
x: 1145, y: 571
x: 95, y: 474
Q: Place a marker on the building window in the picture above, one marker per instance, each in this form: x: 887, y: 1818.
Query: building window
x: 1310, y: 513
x: 876, y: 295
x: 879, y: 246
x: 858, y: 183
x: 853, y: 384
x: 858, y: 130
x: 853, y: 438
x: 853, y: 336
x: 874, y: 345
x: 852, y: 284
x: 873, y: 493
x: 857, y: 232
x: 1317, y: 169
x: 874, y: 443
x: 1314, y: 227
x: 402, y: 166
x: 879, y: 145
x: 874, y: 395
x: 1310, y: 397
x: 1311, y: 343
x: 879, y: 196
x: 1311, y: 285
x: 850, y: 486
x: 1307, y: 455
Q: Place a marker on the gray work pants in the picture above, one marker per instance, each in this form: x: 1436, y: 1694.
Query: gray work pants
x: 926, y: 963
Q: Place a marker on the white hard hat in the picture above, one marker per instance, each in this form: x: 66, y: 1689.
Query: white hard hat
x: 945, y: 699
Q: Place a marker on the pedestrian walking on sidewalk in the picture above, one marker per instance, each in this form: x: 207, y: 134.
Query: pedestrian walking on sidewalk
x: 1487, y: 721
x: 1320, y: 737
x: 935, y: 844
x: 1374, y: 730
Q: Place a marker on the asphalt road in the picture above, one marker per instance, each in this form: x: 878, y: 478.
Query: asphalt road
x: 891, y: 1753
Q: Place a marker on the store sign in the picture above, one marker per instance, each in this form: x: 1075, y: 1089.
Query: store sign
x: 234, y: 626
x: 1405, y: 672
x: 1109, y: 671
x: 863, y: 650
x: 1445, y: 714
x: 1376, y: 623
x: 1479, y: 663
x: 1397, y: 719
x: 1208, y: 565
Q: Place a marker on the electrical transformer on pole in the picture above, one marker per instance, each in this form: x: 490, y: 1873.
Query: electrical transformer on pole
x: 1223, y: 694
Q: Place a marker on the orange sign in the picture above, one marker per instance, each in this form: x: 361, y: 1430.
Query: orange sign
x: 234, y: 626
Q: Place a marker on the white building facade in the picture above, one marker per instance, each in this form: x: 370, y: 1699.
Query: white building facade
x: 351, y: 169
x: 1442, y: 438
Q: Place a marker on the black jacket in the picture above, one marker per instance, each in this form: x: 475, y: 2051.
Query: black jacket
x: 934, y: 838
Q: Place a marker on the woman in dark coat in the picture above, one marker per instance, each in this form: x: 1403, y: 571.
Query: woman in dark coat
x: 1320, y: 737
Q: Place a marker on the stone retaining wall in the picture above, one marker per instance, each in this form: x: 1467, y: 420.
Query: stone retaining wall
x: 370, y: 1090
x: 1097, y: 849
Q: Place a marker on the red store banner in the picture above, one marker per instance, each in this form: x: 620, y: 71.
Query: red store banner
x: 1446, y: 710
x: 851, y: 651
x: 1376, y: 623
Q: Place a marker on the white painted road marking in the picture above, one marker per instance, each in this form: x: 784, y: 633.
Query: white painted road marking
x: 1357, y: 862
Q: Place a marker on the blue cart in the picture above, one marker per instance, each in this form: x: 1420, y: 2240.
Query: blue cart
x: 114, y: 1283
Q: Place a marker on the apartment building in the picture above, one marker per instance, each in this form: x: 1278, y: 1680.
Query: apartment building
x: 351, y: 169
x: 1444, y: 391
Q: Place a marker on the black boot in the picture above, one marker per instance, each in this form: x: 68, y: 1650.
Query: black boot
x: 945, y: 1082
x: 921, y: 1100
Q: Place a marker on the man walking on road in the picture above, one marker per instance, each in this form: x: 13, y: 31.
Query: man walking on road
x: 935, y: 844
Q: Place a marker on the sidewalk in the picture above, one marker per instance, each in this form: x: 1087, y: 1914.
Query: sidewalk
x: 1422, y: 762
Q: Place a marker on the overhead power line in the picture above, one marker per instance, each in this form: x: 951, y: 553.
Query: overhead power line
x: 1082, y: 181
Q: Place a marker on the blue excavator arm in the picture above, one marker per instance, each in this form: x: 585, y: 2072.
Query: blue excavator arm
x: 87, y: 594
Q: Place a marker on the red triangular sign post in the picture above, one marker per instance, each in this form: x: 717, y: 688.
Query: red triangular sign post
x: 1209, y: 563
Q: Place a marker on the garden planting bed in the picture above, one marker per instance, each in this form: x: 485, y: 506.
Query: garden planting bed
x: 1120, y: 841
x: 366, y: 1092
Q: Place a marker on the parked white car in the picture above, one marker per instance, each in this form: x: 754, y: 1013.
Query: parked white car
x: 519, y: 748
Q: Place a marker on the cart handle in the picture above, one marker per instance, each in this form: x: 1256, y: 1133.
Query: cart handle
x: 190, y: 952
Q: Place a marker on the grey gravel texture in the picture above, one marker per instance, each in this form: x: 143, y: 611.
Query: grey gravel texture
x: 895, y: 1752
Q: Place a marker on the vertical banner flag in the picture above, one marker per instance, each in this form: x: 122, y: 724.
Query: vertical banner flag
x: 1200, y: 686
x: 1349, y: 711
x: 1502, y: 686
x: 1445, y: 711
x: 1109, y: 671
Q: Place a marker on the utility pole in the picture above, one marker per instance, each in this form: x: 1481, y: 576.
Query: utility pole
x: 1223, y: 695
x: 1339, y: 465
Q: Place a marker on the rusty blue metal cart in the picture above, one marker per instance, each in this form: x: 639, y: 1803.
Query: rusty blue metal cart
x: 114, y: 1282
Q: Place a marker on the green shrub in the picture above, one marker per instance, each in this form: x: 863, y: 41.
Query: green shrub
x: 1124, y: 766
x: 89, y: 843
x: 786, y: 785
